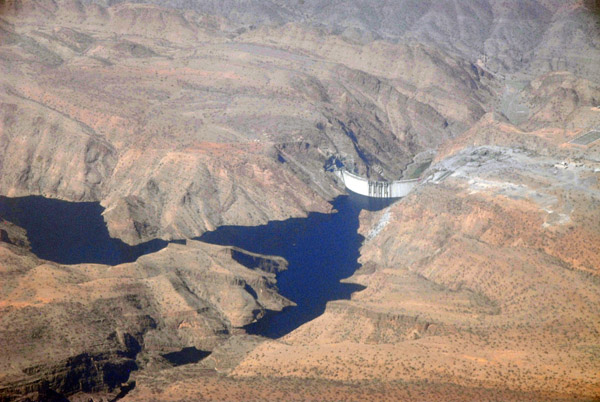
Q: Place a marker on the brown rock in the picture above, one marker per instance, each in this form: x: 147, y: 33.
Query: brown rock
x: 79, y: 328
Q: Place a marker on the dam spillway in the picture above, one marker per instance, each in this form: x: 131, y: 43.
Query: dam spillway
x: 376, y: 189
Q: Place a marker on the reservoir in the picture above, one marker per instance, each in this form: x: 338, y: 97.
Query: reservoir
x: 70, y: 232
x: 321, y: 249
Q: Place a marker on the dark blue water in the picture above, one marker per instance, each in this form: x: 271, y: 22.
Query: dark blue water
x: 186, y: 356
x: 70, y: 232
x: 321, y: 249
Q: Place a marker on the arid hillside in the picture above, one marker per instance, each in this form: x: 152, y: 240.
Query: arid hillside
x: 85, y: 328
x: 183, y: 117
x: 179, y: 123
x: 486, y: 276
x: 531, y: 36
x: 479, y: 283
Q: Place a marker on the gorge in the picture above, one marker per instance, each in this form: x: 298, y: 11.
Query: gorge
x: 172, y: 226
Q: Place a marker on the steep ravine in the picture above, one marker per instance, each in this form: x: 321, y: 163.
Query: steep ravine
x: 83, y: 328
x: 123, y: 317
x: 207, y: 126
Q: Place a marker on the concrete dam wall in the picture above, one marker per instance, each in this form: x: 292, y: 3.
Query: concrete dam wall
x: 376, y: 189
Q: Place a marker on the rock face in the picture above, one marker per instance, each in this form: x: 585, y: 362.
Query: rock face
x: 85, y: 328
x: 179, y: 132
x: 182, y: 116
x: 487, y: 278
x: 13, y: 234
x: 536, y: 35
x: 208, y: 124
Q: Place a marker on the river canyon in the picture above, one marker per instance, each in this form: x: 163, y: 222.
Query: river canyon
x: 174, y: 224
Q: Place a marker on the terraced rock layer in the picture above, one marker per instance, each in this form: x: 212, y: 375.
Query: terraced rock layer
x: 86, y: 328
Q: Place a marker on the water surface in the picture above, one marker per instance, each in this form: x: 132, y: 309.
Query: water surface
x: 321, y: 249
x: 70, y: 232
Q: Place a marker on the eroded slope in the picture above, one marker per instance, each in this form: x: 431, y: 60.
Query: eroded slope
x: 179, y: 123
x: 86, y: 328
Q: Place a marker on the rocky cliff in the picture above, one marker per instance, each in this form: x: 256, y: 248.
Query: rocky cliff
x: 210, y: 125
x: 86, y: 328
x: 486, y: 278
x: 183, y: 116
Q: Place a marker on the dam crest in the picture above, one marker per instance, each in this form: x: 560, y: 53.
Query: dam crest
x: 373, y: 188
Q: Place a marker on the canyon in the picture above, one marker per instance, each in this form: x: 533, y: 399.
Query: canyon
x: 172, y: 227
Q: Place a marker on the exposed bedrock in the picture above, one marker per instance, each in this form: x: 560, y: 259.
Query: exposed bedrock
x: 183, y: 116
x: 174, y: 141
x: 471, y: 283
x: 44, y: 153
x: 487, y: 278
x: 85, y: 328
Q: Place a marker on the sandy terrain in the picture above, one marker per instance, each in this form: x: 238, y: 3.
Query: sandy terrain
x: 180, y: 117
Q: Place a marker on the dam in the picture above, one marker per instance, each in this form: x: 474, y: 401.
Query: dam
x: 375, y: 189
